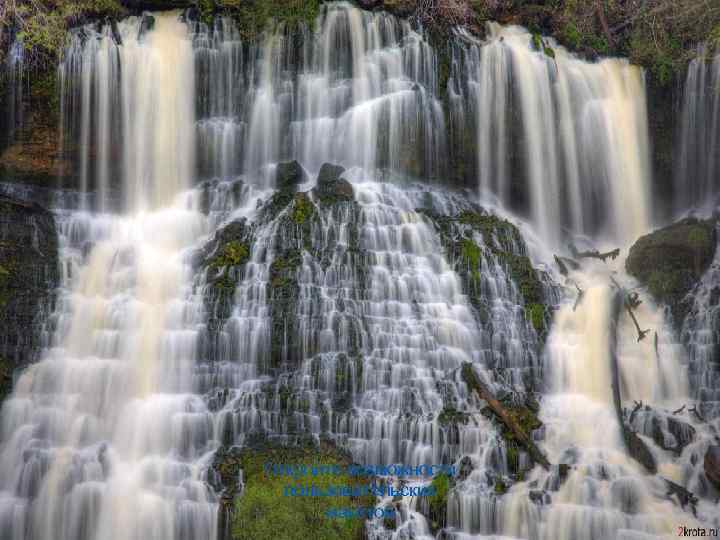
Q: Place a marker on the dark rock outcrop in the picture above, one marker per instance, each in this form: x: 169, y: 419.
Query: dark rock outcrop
x: 29, y: 274
x: 331, y: 188
x: 712, y: 465
x: 670, y: 261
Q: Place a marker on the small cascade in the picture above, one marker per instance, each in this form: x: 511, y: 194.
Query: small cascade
x: 128, y: 99
x: 700, y: 334
x: 583, y: 156
x: 698, y: 165
x: 358, y: 89
x: 14, y: 75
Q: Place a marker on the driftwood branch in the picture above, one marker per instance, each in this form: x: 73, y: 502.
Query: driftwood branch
x: 579, y: 298
x: 678, y: 411
x: 631, y: 301
x: 697, y: 414
x: 638, y: 406
x: 594, y: 254
x: 684, y: 496
x: 636, y: 447
x: 502, y: 413
x: 565, y: 265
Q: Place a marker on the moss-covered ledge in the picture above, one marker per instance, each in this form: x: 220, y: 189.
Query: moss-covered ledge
x: 670, y: 261
x: 501, y: 239
x: 262, y: 510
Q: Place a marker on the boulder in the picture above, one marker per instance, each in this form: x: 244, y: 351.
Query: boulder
x: 712, y: 465
x: 289, y: 174
x: 671, y: 260
x: 331, y: 188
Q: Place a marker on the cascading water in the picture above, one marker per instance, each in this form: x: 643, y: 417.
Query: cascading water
x: 101, y: 436
x: 15, y: 73
x: 569, y: 136
x: 699, y: 135
x: 348, y: 320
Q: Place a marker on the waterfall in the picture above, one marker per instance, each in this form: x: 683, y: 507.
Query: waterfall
x: 14, y: 74
x: 569, y: 134
x: 352, y: 319
x: 699, y: 140
x: 128, y: 97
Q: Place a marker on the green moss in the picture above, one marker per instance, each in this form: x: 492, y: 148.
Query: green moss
x: 303, y: 209
x: 663, y: 284
x: 571, y: 35
x: 471, y: 256
x: 263, y: 511
x: 282, y: 269
x: 537, y: 42
x: 438, y: 500
x: 234, y: 253
x: 535, y: 313
x: 450, y: 415
x: 500, y: 487
x: 207, y: 10
x: 671, y: 260
x: 254, y: 17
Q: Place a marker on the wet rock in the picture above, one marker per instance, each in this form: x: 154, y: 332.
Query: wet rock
x: 540, y: 497
x: 465, y: 469
x: 670, y: 261
x: 712, y: 465
x: 289, y: 175
x: 369, y: 4
x: 639, y: 451
x: 331, y: 188
x: 682, y: 433
x: 29, y: 275
x: 223, y: 259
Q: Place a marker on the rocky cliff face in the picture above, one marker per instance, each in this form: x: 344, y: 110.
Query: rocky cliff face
x: 29, y: 274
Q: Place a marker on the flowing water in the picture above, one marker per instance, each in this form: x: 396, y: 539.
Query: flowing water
x: 180, y: 128
x: 699, y: 163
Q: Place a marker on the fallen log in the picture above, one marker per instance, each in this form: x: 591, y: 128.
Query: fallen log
x: 565, y: 264
x: 594, y: 254
x: 636, y: 447
x: 505, y: 416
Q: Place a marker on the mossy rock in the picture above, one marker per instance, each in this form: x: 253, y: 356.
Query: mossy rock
x: 234, y: 253
x: 263, y: 511
x: 289, y: 174
x: 671, y: 261
x: 503, y: 240
x: 303, y: 209
x: 450, y: 415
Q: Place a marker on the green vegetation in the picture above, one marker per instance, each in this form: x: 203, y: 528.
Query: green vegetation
x: 471, y: 255
x: 535, y: 313
x: 254, y: 17
x: 234, y: 253
x: 262, y: 511
x: 438, y: 501
x: 303, y: 209
x: 503, y: 240
x: 42, y: 25
x: 450, y: 415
